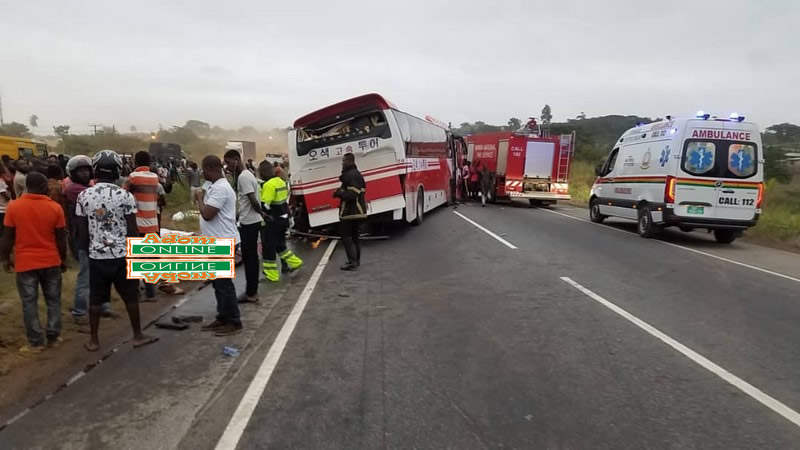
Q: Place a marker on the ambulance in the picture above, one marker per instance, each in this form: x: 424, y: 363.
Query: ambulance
x: 698, y: 173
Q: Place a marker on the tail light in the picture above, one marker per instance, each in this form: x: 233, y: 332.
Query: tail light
x: 760, y: 195
x: 669, y: 189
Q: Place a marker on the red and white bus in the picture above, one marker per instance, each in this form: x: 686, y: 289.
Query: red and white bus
x: 406, y: 161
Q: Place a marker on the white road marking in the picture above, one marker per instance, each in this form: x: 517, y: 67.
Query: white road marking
x: 487, y: 231
x: 233, y: 432
x: 688, y: 249
x: 749, y: 266
x: 763, y: 398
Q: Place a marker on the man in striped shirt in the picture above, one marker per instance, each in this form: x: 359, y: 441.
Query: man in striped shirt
x: 143, y: 184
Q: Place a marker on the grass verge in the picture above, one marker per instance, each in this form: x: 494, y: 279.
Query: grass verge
x: 581, y: 177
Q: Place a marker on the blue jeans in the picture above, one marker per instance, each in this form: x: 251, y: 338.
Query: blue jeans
x: 81, y: 301
x: 28, y: 288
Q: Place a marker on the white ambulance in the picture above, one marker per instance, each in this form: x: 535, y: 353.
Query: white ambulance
x: 704, y: 172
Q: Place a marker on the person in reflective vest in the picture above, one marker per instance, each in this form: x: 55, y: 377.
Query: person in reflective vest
x: 275, y: 209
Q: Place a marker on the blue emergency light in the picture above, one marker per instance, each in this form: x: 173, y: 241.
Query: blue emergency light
x: 736, y: 117
x: 703, y: 115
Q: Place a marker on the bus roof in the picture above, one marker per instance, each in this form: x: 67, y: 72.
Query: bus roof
x: 374, y: 100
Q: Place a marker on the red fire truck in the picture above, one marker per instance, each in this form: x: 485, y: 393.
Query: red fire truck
x: 525, y: 165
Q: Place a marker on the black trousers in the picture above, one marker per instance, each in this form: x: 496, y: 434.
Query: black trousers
x: 273, y: 238
x: 227, y: 305
x: 249, y: 235
x: 349, y: 230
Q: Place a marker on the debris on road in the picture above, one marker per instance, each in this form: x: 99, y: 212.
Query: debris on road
x: 230, y: 351
x: 181, y: 216
x: 186, y: 319
x: 172, y: 326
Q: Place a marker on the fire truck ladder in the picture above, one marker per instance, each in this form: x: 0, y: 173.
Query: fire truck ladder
x: 566, y: 149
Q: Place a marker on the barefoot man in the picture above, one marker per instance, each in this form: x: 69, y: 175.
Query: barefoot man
x: 106, y: 215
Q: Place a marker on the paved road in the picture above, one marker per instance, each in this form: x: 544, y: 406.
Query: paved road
x: 449, y: 338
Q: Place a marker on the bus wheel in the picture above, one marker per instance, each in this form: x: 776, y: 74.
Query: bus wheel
x: 594, y: 212
x: 646, y: 227
x: 420, y: 207
x: 725, y: 236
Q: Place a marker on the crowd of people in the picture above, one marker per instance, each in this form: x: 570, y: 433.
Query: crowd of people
x: 89, y: 206
x: 475, y: 181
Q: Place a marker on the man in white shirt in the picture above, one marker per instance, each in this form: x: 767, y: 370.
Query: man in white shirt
x: 249, y: 219
x: 217, y: 205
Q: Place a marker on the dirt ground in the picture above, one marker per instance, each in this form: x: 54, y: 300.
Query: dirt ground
x: 27, y: 378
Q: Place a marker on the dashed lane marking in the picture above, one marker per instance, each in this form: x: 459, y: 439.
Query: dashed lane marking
x: 761, y: 397
x: 688, y: 249
x: 486, y: 230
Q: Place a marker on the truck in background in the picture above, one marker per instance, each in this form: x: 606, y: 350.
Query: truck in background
x: 162, y: 152
x: 524, y: 164
x: 245, y: 148
x: 273, y: 158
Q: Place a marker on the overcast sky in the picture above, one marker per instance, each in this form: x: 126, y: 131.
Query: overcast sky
x: 264, y: 63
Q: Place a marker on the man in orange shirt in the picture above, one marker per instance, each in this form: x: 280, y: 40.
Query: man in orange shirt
x: 35, y: 227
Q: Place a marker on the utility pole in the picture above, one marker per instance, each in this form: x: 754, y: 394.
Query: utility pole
x: 95, y: 127
x: 1, y: 110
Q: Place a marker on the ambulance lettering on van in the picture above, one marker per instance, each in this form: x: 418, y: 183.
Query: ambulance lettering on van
x: 719, y: 134
x: 709, y: 175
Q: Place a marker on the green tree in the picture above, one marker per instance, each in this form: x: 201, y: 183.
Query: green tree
x: 177, y: 135
x: 547, y: 115
x: 247, y: 132
x: 198, y: 127
x: 61, y: 130
x: 782, y: 134
x: 514, y: 124
x: 581, y: 116
x: 15, y: 129
x: 34, y: 121
x: 775, y: 166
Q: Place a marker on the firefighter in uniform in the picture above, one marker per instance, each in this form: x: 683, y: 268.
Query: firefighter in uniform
x: 275, y: 204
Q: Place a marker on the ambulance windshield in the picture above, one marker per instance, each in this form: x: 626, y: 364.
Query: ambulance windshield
x: 720, y: 159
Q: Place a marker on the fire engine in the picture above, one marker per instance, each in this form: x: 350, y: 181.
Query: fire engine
x: 524, y: 164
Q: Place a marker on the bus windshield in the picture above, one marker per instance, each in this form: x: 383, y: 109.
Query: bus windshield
x: 370, y: 124
x: 41, y: 150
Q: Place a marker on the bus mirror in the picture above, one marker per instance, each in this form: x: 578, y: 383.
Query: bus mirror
x: 598, y: 170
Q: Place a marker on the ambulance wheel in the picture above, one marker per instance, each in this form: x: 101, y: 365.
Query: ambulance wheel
x: 646, y: 227
x: 725, y: 236
x: 420, y: 207
x: 594, y: 212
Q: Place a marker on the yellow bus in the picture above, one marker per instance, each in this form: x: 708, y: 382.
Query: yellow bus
x: 17, y: 147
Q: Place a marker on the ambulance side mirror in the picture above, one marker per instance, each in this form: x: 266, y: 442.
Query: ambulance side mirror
x: 598, y: 170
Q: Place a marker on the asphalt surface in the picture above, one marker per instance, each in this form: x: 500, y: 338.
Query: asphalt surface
x: 447, y: 338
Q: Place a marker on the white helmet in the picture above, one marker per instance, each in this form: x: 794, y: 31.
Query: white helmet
x: 78, y: 161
